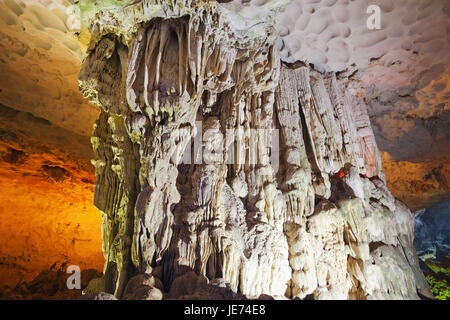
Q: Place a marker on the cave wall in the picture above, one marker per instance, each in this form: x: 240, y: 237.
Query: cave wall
x: 47, y: 219
x: 401, y: 70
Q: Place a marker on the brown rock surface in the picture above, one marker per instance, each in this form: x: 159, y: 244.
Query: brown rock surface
x: 286, y: 216
x: 402, y: 77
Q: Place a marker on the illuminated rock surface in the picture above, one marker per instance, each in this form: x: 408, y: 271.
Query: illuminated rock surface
x: 307, y: 214
x: 47, y: 219
x: 432, y: 232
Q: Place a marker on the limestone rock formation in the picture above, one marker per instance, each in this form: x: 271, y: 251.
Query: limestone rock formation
x: 221, y: 167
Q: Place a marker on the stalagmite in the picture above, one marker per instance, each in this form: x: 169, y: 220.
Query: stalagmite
x: 220, y: 167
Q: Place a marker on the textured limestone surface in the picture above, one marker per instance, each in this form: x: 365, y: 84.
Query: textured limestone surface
x: 223, y: 173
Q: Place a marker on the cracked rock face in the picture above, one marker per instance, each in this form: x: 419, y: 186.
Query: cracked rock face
x: 220, y: 167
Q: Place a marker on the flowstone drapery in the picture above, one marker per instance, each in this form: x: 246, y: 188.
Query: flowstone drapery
x: 223, y: 173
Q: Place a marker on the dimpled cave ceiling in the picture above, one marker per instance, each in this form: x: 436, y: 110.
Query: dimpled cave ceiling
x: 401, y: 70
x: 47, y: 219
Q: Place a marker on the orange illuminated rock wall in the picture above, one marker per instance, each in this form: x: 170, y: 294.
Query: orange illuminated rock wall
x: 46, y: 189
x: 418, y: 184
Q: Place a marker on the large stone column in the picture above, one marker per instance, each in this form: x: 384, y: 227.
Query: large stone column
x: 223, y: 173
